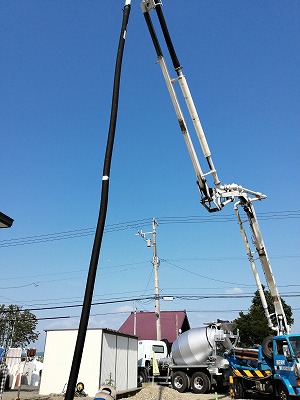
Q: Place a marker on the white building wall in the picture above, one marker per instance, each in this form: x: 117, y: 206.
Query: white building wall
x: 132, y: 362
x: 58, y: 356
x: 122, y: 363
x: 108, y: 360
x: 107, y: 356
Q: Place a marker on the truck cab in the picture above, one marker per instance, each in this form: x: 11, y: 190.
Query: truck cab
x: 273, y: 367
x: 286, y: 364
x: 147, y: 350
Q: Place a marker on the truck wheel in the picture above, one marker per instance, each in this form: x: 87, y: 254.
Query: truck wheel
x: 283, y: 392
x: 144, y: 376
x: 238, y: 391
x: 200, y: 383
x: 267, y: 347
x: 180, y: 381
x: 7, y: 383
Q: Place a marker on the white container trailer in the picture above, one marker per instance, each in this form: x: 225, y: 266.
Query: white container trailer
x: 108, y: 357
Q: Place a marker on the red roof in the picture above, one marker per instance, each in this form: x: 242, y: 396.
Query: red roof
x: 171, y: 322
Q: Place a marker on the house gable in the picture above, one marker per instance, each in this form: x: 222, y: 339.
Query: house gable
x: 143, y: 325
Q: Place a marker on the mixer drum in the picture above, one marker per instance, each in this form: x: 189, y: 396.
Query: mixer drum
x: 194, y: 346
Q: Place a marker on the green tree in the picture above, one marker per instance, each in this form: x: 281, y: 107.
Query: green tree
x: 253, y: 326
x: 17, y: 326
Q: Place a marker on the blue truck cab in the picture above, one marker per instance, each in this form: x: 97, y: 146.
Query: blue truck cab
x: 286, y: 363
x: 273, y: 367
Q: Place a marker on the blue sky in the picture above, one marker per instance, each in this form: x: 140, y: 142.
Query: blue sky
x: 241, y: 61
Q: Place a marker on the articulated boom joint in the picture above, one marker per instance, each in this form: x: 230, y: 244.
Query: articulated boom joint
x: 214, y: 199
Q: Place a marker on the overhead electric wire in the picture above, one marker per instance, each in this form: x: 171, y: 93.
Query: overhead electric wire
x: 126, y: 312
x: 131, y: 266
x: 137, y: 224
x: 77, y: 233
x: 152, y: 298
x: 175, y: 293
x: 134, y: 266
x: 186, y: 297
x: 140, y: 265
x: 203, y: 276
x: 110, y: 267
x: 38, y: 283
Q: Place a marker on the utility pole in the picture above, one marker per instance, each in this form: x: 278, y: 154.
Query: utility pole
x: 134, y: 320
x: 155, y: 263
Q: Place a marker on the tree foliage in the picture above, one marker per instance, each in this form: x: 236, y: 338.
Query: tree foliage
x: 253, y: 326
x: 17, y: 326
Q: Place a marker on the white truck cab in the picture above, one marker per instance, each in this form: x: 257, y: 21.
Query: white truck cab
x: 146, y: 349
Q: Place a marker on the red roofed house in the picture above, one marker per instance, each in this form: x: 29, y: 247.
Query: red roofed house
x: 143, y: 325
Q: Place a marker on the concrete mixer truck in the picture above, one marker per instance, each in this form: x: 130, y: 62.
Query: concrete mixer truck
x: 197, y: 361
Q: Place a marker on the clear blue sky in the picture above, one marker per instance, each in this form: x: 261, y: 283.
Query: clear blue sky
x: 242, y: 63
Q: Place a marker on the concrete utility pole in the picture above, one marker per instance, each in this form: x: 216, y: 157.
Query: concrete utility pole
x: 155, y: 262
x: 134, y: 321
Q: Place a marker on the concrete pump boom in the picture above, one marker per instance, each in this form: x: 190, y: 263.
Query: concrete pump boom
x: 216, y: 196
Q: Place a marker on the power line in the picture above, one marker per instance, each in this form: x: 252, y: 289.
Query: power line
x: 77, y: 316
x: 93, y: 303
x: 126, y: 312
x: 38, y: 283
x: 149, y: 299
x: 134, y: 266
x: 205, y: 277
x: 138, y: 265
x: 71, y: 301
x: 187, y: 297
x: 136, y: 224
x: 49, y: 237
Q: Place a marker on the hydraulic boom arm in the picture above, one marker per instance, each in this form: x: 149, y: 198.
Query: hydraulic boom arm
x: 281, y: 323
x: 214, y: 197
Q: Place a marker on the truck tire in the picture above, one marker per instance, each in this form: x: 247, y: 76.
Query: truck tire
x: 142, y: 377
x: 200, y: 383
x: 267, y: 347
x: 7, y: 383
x: 180, y: 381
x: 283, y: 393
x: 238, y: 390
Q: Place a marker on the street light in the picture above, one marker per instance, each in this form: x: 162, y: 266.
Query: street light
x: 5, y: 221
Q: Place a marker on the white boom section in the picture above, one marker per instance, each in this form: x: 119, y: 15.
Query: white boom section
x: 182, y: 123
x: 246, y: 203
x: 216, y: 197
x: 212, y: 198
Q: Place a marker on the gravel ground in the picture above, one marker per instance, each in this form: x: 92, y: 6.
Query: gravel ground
x: 148, y: 392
